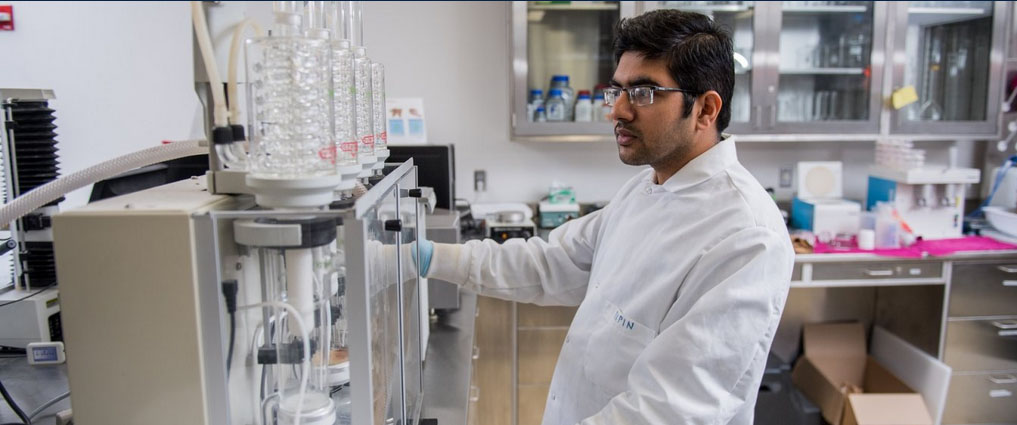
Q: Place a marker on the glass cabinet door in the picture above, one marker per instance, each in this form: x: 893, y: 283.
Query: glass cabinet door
x: 953, y: 63
x: 566, y: 47
x: 738, y: 17
x: 828, y: 79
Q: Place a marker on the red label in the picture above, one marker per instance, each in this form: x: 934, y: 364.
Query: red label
x: 384, y: 137
x: 327, y: 154
x: 368, y: 140
x: 348, y: 146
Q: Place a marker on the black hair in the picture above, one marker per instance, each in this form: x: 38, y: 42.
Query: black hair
x: 698, y: 51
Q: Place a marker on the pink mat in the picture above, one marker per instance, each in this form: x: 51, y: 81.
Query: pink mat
x: 935, y: 248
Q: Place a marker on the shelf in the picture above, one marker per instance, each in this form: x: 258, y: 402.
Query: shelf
x: 722, y: 8
x: 825, y: 9
x: 575, y: 7
x: 822, y: 71
x: 946, y: 11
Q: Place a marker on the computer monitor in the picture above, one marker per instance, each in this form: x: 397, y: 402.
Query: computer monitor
x: 436, y: 169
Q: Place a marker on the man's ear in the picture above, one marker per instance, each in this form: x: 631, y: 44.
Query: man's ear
x: 707, y: 114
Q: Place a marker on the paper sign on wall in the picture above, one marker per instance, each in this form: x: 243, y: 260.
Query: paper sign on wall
x: 406, y: 124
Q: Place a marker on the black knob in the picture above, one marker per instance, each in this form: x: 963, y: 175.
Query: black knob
x: 416, y: 193
x: 394, y: 225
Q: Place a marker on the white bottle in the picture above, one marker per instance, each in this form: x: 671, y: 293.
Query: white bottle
x: 539, y: 115
x: 605, y: 109
x: 536, y: 100
x: 599, y: 114
x: 584, y: 107
x: 561, y: 82
x: 555, y: 106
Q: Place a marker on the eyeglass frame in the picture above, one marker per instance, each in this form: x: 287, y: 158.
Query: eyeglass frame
x: 653, y: 89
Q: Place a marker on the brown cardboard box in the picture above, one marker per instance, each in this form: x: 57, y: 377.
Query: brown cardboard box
x: 850, y: 387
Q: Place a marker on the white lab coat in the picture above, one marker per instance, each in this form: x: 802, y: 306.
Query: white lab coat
x: 680, y: 287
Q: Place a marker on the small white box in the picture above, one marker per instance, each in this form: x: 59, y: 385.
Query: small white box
x: 826, y: 216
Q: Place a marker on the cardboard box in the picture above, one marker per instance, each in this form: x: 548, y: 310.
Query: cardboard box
x: 850, y: 387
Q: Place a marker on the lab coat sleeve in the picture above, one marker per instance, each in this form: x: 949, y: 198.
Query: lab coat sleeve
x: 708, y: 358
x: 555, y: 272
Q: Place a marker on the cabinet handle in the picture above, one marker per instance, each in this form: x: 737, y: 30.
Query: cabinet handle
x: 1003, y: 379
x: 1008, y: 269
x: 1006, y: 327
x: 879, y: 273
x: 476, y: 352
x: 1010, y: 283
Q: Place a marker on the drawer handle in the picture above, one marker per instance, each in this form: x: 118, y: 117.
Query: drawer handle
x: 1006, y: 327
x: 1010, y: 283
x: 879, y: 273
x: 476, y: 352
x: 1008, y: 269
x: 1003, y: 379
x: 1000, y: 393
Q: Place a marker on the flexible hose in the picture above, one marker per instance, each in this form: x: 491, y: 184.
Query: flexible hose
x: 49, y: 192
x: 40, y: 409
x: 305, y: 336
x: 231, y: 86
x: 220, y: 113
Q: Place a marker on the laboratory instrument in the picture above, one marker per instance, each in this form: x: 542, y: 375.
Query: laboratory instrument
x: 275, y: 291
x: 930, y: 200
x: 30, y: 160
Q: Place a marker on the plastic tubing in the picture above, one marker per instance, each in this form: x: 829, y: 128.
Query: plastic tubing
x: 295, y: 315
x: 48, y: 192
x: 231, y: 86
x: 220, y: 112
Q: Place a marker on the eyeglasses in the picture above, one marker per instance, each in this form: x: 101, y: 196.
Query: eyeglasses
x: 639, y: 96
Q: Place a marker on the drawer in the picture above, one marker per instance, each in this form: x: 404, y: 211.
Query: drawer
x: 981, y: 345
x: 982, y: 399
x: 983, y: 290
x: 873, y: 271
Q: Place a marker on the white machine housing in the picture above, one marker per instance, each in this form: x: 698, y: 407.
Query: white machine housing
x: 34, y: 319
x: 930, y: 200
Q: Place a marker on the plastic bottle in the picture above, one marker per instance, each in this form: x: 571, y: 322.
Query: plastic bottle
x: 561, y: 82
x: 536, y: 100
x: 605, y: 110
x: 556, y: 106
x: 584, y: 107
x: 539, y: 115
x: 598, y: 108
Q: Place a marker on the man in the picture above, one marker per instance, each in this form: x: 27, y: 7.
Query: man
x: 681, y: 279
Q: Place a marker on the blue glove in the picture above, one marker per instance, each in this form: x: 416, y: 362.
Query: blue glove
x: 426, y: 251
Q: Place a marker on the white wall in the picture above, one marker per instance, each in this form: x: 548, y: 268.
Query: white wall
x: 456, y: 56
x: 121, y: 71
x: 123, y: 75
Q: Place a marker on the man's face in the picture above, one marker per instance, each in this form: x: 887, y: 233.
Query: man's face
x: 654, y: 134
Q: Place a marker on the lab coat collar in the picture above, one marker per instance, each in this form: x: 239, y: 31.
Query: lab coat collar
x: 706, y: 165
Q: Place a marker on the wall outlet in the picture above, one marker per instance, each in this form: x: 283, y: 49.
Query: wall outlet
x: 786, y: 176
x: 479, y: 181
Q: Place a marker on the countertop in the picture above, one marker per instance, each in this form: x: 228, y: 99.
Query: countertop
x: 32, y: 386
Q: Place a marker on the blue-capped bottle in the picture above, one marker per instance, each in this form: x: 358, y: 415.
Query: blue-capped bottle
x: 536, y: 100
x: 561, y: 82
x: 556, y: 106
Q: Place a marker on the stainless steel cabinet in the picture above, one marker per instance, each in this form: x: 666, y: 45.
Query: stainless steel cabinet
x: 953, y: 56
x: 805, y: 70
x: 981, y: 344
x: 561, y: 39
